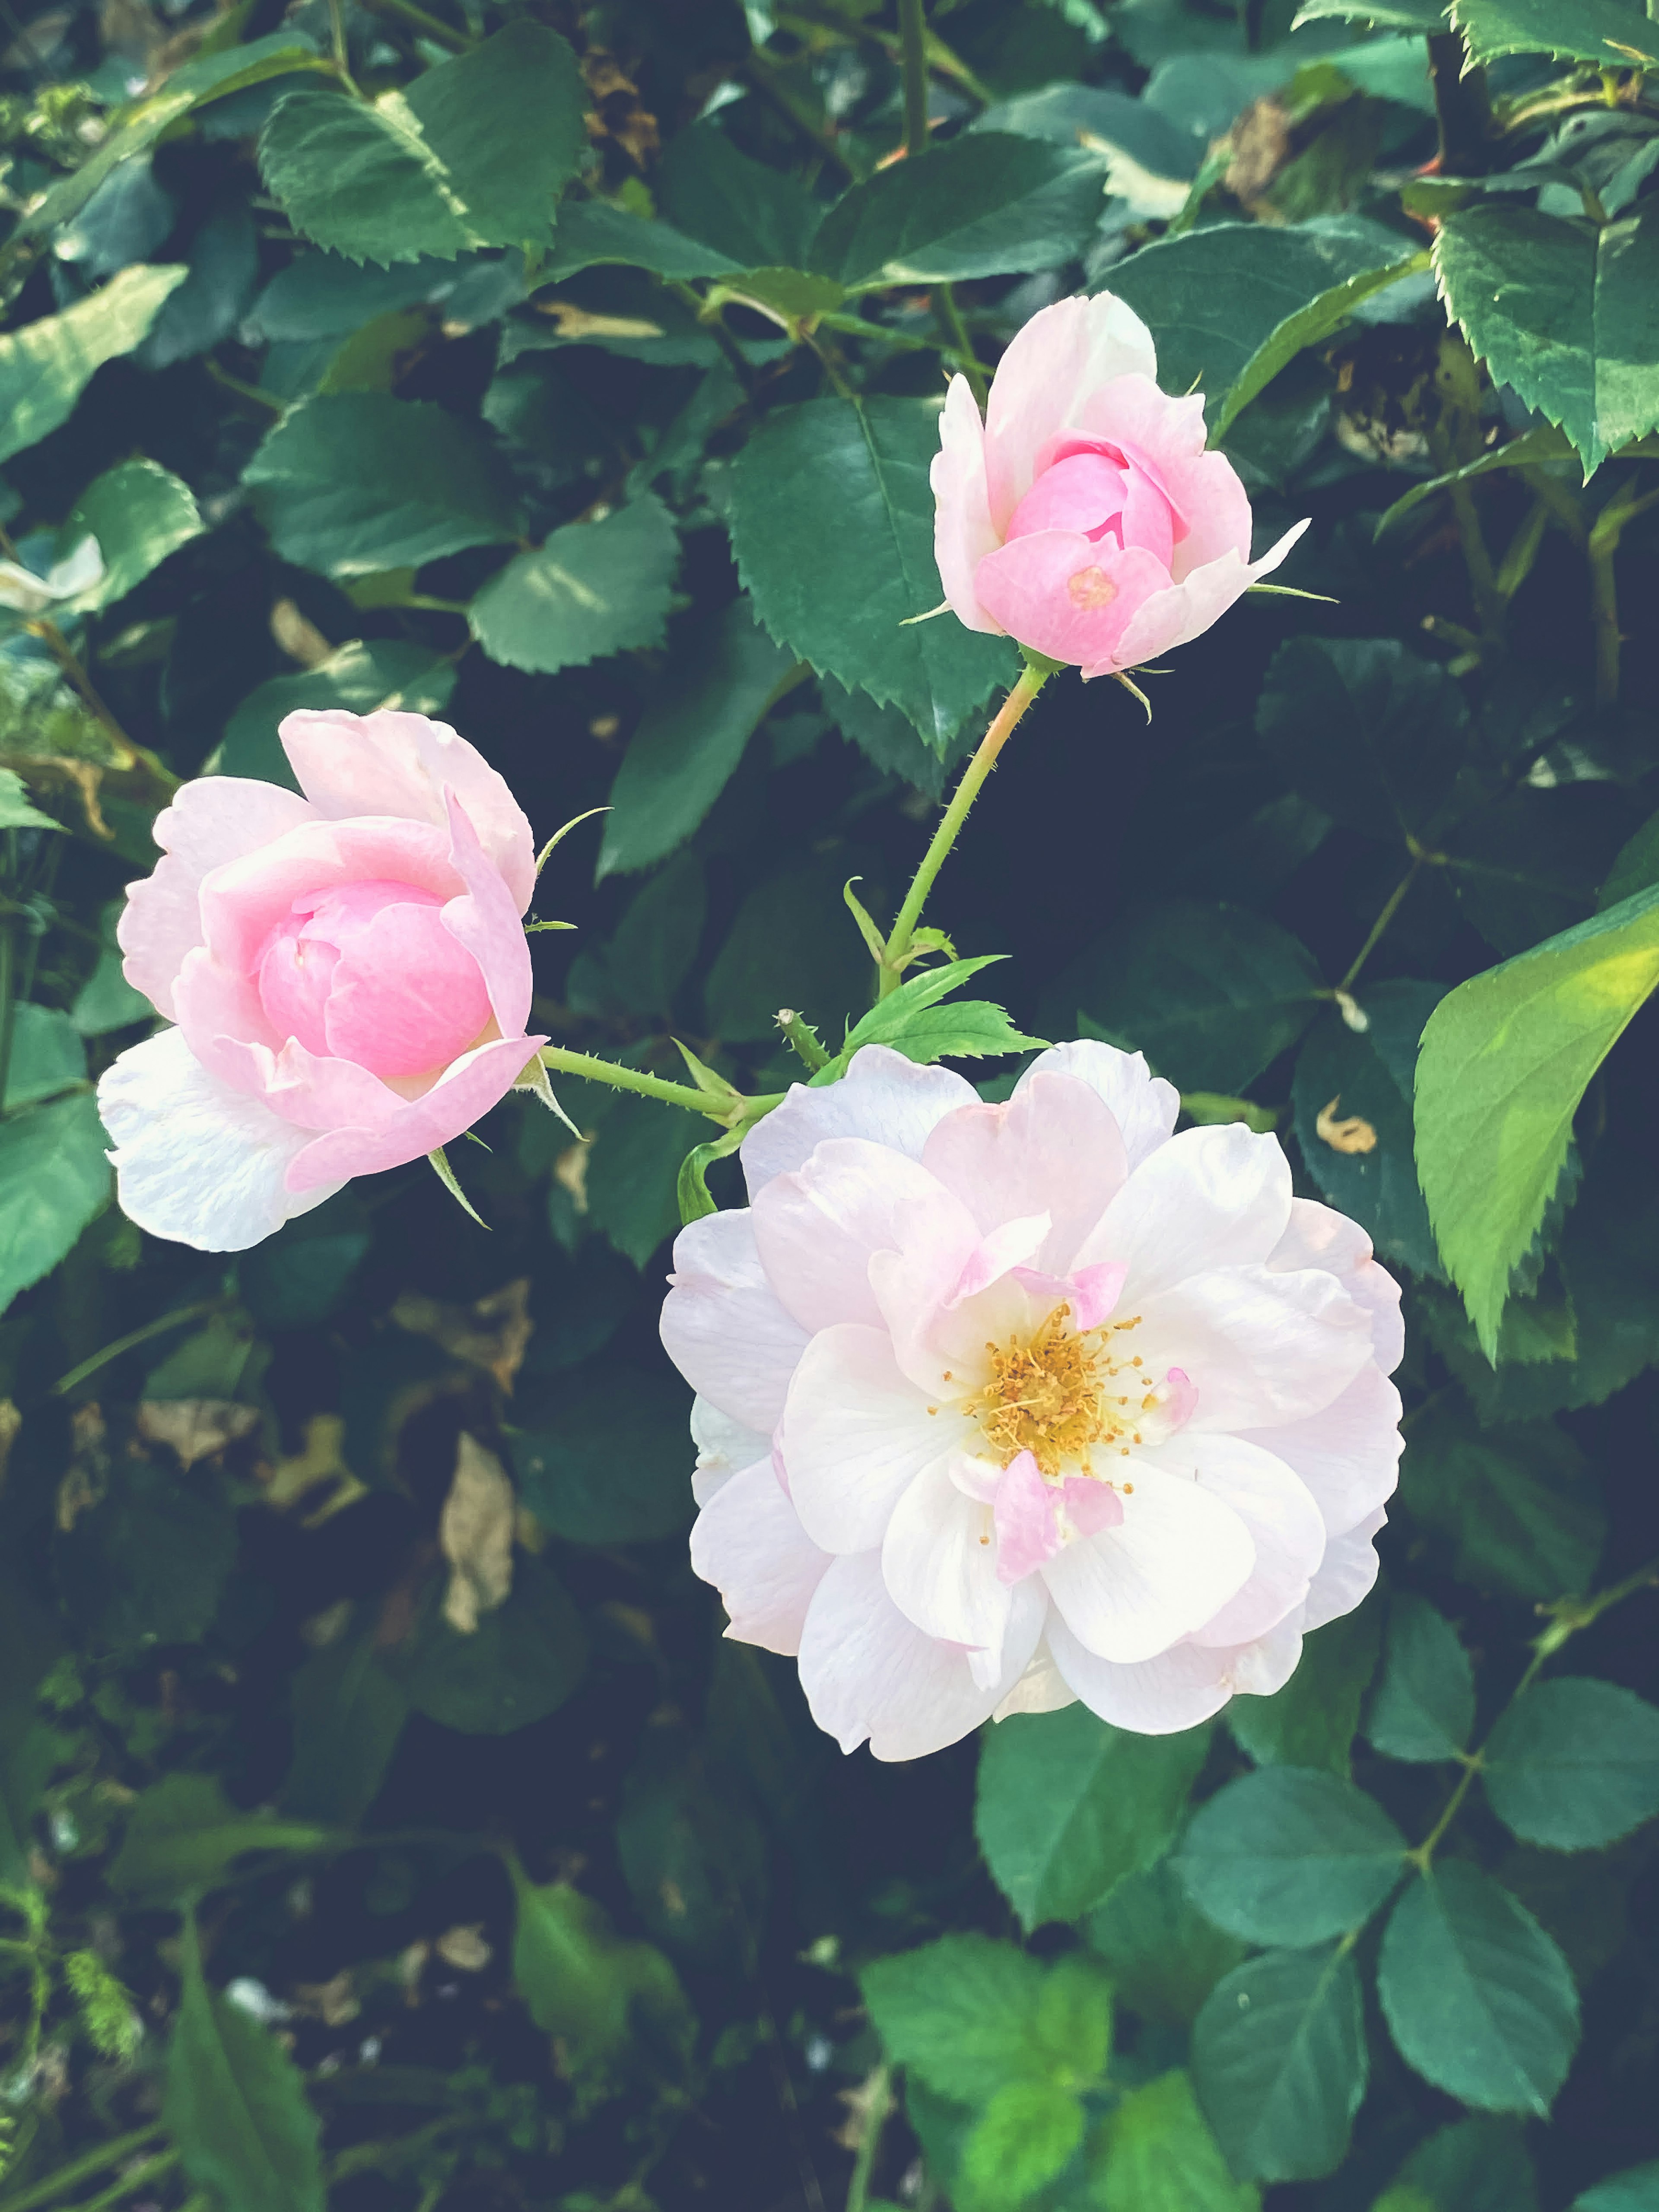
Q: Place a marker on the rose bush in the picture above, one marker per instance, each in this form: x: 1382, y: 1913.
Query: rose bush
x: 1005, y: 1406
x: 345, y: 968
x: 1083, y: 516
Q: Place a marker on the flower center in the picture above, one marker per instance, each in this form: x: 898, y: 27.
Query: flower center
x: 1048, y: 1394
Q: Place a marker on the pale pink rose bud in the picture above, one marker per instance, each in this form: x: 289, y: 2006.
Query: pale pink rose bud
x: 999, y: 1407
x: 348, y: 973
x: 1083, y: 516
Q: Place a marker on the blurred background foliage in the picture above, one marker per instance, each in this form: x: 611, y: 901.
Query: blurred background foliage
x: 382, y: 1820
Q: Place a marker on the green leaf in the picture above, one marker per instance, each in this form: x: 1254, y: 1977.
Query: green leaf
x: 593, y: 588
x: 234, y: 2104
x: 1544, y: 443
x: 1278, y: 2062
x: 1574, y: 1765
x: 913, y: 1021
x: 633, y: 1171
x: 47, y: 1056
x: 1636, y: 2189
x: 1210, y: 993
x: 604, y: 1457
x: 1069, y: 1805
x: 691, y: 738
x: 758, y: 216
x: 1027, y: 2135
x: 54, y: 1179
x: 15, y: 811
x: 1424, y: 1707
x: 592, y: 232
x: 1311, y: 1721
x: 147, y: 1563
x: 1158, y: 2155
x: 1290, y: 1854
x: 1162, y: 1955
x: 832, y: 525
x: 138, y: 514
x: 1505, y: 1062
x: 1372, y: 734
x: 1474, y: 2166
x: 983, y: 205
x: 348, y: 1712
x: 1612, y: 34
x: 1528, y: 865
x: 1216, y: 299
x: 520, y: 1664
x: 1635, y: 869
x: 1428, y: 16
x: 1351, y: 1096
x: 1520, y: 1505
x: 358, y: 678
x: 603, y: 1998
x: 1476, y: 1996
x: 961, y: 2013
x: 30, y: 1752
x: 474, y: 154
x: 793, y: 944
x: 1564, y: 313
x: 353, y: 483
x: 693, y: 1854
x: 1306, y: 327
x: 47, y: 365
x: 184, y: 1835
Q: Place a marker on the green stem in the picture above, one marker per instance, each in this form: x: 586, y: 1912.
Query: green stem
x: 7, y: 995
x: 806, y: 1046
x: 913, y: 30
x: 1035, y: 674
x: 151, y: 2170
x: 1523, y: 550
x: 446, y: 34
x: 584, y: 1064
x: 1568, y: 1616
x: 736, y: 359
x: 1379, y: 927
x: 1558, y: 498
x: 875, y: 2119
x: 80, y: 2169
x: 1600, y: 547
x: 945, y: 305
x: 142, y: 1334
x: 338, y: 36
x: 1483, y: 581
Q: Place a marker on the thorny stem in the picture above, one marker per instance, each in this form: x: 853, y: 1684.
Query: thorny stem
x: 913, y: 29
x: 1035, y: 674
x: 876, y: 2113
x: 726, y: 1110
x: 1567, y: 1616
x: 90, y: 2162
x: 802, y: 1040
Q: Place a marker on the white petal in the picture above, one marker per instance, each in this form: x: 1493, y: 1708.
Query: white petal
x: 723, y: 1328
x: 1261, y: 1349
x: 855, y: 1434
x: 749, y: 1542
x: 1209, y: 1198
x: 1041, y: 1689
x: 1262, y: 1668
x: 1318, y: 1237
x: 817, y: 1229
x: 1054, y: 1147
x: 1348, y: 1453
x: 1177, y: 1558
x: 1144, y: 1106
x: 1177, y: 1690
x: 940, y: 1563
x: 882, y: 1096
x: 872, y: 1675
x: 1345, y: 1576
x: 195, y: 1160
x: 723, y: 1446
x: 1285, y: 1526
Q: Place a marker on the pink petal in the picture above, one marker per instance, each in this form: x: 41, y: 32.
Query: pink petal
x: 723, y: 1327
x: 486, y: 922
x: 1179, y: 1689
x: 856, y: 1434
x: 748, y: 1542
x: 1027, y: 1524
x: 962, y: 531
x: 1083, y: 492
x: 1054, y: 1146
x: 816, y: 1229
x: 1091, y: 1505
x: 1261, y: 1349
x: 215, y: 819
x: 941, y: 1567
x: 1042, y: 381
x: 463, y: 1094
x: 245, y: 900
x: 1176, y: 616
x: 1348, y: 1453
x: 1000, y: 1252
x: 1144, y: 1105
x: 1091, y: 1292
x: 1062, y: 595
x: 391, y: 763
x: 882, y: 1096
x: 1182, y: 1402
x: 1318, y: 1237
x: 1217, y: 1197
x: 1177, y: 1557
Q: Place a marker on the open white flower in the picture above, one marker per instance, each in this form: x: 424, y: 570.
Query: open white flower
x: 1003, y: 1406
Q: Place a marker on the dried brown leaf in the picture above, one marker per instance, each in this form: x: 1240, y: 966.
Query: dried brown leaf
x: 475, y: 1532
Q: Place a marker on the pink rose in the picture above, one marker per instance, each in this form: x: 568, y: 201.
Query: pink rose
x: 1083, y: 517
x: 347, y: 972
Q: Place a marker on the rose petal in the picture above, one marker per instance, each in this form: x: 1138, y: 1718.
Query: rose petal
x: 1179, y: 1555
x: 748, y: 1542
x: 882, y: 1096
x: 723, y: 1327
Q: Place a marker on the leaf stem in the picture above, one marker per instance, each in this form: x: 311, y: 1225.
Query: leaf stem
x: 1600, y: 547
x: 876, y: 2113
x: 446, y: 34
x: 913, y: 30
x: 90, y: 2162
x: 1379, y: 927
x: 142, y: 1334
x: 152, y: 2169
x: 1035, y: 674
